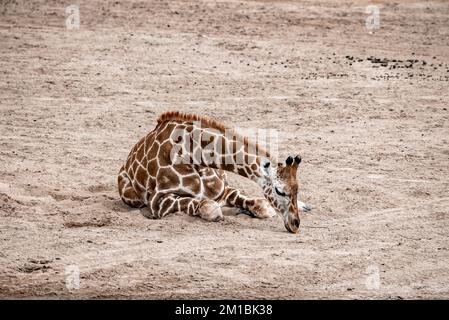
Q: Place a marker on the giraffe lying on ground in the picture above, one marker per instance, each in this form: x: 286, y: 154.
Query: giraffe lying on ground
x: 174, y: 169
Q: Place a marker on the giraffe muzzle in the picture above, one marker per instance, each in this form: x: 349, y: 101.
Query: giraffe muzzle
x: 292, y: 225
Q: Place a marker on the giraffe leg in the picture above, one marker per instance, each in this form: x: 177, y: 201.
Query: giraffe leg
x: 210, y: 210
x: 259, y: 207
x: 160, y: 205
x: 127, y: 192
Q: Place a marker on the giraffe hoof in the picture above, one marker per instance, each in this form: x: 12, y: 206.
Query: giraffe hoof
x: 210, y: 211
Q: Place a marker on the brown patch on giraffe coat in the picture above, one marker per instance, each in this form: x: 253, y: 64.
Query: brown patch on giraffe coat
x: 152, y: 152
x: 188, y: 128
x: 241, y: 171
x: 184, y: 169
x: 166, y: 179
x: 192, y: 183
x: 165, y: 153
x: 251, y: 203
x: 140, y: 152
x: 151, y: 184
x: 141, y: 175
x: 239, y: 201
x: 213, y: 187
x: 165, y: 132
x: 152, y: 167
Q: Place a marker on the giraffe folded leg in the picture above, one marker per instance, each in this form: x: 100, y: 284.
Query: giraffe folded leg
x: 210, y: 210
x: 258, y: 207
x: 127, y: 192
x: 160, y: 205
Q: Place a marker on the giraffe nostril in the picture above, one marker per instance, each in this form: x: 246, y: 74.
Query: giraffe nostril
x: 296, y: 223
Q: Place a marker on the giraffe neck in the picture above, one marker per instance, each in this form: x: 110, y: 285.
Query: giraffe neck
x: 221, y: 150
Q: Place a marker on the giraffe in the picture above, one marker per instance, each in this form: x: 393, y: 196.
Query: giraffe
x: 174, y: 168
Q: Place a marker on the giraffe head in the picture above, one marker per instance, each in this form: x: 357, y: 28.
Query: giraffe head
x: 281, y: 190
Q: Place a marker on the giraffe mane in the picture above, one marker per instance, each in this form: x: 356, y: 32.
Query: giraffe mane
x: 207, y: 123
x: 180, y: 116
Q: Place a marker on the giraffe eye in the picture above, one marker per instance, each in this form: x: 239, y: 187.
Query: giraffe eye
x: 282, y: 194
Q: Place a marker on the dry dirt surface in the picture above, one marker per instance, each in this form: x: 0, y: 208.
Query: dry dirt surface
x: 368, y: 112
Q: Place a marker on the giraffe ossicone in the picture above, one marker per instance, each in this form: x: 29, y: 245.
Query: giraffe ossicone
x: 181, y: 165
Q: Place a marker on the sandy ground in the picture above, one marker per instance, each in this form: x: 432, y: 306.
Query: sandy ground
x: 368, y: 113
